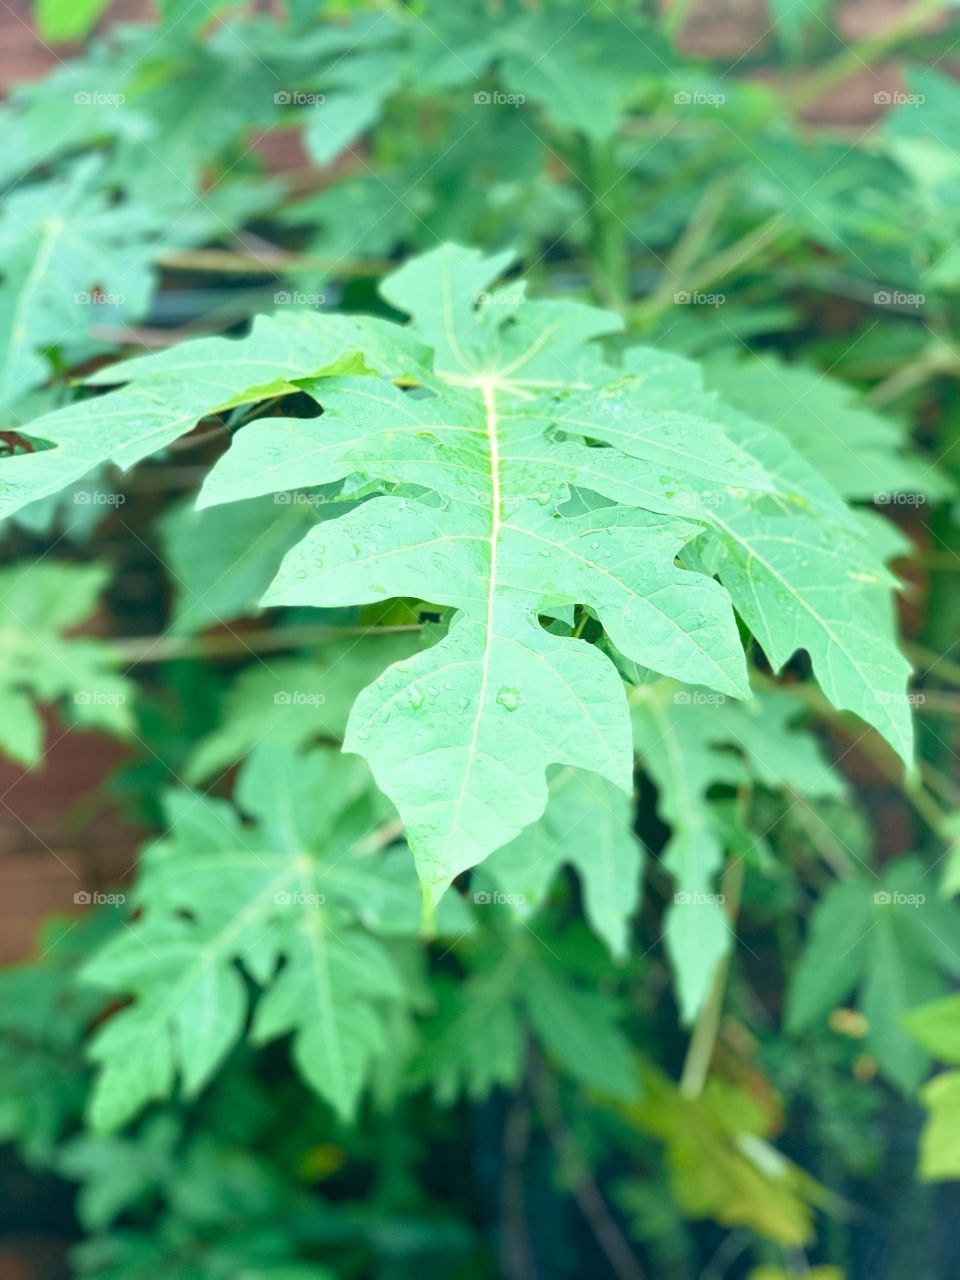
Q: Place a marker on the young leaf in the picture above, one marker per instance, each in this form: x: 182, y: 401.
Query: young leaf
x: 891, y: 940
x: 39, y: 607
x: 218, y: 894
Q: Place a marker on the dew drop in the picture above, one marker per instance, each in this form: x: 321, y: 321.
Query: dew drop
x: 508, y: 698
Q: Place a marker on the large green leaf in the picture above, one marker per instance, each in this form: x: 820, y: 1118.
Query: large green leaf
x: 41, y: 661
x: 218, y: 894
x: 500, y: 697
x: 517, y: 474
x: 69, y: 258
x: 171, y: 391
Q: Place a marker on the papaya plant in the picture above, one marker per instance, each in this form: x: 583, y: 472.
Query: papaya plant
x: 510, y: 542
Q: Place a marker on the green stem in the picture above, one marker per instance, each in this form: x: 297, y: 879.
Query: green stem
x: 935, y: 360
x: 696, y: 1065
x: 228, y: 262
x: 137, y: 650
x: 715, y: 269
x: 675, y: 18
x: 935, y: 663
x: 864, y: 53
x: 610, y: 265
x: 824, y: 841
x: 576, y: 1168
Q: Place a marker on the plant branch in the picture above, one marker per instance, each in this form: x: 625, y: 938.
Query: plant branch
x: 864, y: 53
x: 696, y: 1065
x: 573, y: 1163
x: 137, y: 650
x: 230, y: 262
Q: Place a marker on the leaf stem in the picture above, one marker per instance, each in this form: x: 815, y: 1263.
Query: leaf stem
x: 696, y: 1065
x: 610, y: 264
x: 230, y: 262
x: 712, y: 271
x: 573, y: 1162
x: 136, y: 650
x: 864, y: 53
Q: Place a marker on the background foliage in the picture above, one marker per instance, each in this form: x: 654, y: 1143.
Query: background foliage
x: 624, y: 941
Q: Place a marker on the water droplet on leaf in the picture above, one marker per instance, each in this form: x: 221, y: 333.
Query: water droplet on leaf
x: 508, y: 698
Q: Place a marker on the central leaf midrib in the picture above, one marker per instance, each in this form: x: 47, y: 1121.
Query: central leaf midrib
x: 496, y: 516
